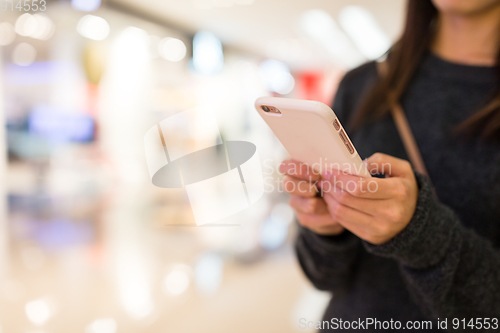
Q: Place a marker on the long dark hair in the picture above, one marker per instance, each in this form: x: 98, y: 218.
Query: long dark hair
x: 403, y: 60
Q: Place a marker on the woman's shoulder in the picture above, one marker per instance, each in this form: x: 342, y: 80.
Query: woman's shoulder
x: 352, y: 88
x: 359, y: 77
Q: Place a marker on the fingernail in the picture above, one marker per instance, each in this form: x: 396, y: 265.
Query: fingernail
x: 327, y: 175
x: 319, y: 183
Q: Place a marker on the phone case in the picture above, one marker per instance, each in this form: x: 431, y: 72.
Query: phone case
x: 311, y: 133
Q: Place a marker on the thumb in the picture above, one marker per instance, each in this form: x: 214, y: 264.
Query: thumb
x: 389, y: 165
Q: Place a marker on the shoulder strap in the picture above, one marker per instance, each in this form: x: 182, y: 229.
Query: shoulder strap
x: 404, y: 129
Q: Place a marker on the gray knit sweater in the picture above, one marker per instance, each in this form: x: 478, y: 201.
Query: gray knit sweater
x: 446, y: 262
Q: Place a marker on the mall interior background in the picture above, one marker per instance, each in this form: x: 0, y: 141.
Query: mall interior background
x: 88, y: 244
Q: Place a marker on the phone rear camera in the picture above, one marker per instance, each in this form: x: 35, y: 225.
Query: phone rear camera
x: 265, y: 108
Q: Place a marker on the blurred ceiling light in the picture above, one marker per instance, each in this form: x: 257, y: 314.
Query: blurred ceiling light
x: 26, y: 24
x: 102, y: 325
x: 365, y: 32
x: 208, y: 57
x: 7, y: 33
x: 208, y: 273
x: 177, y: 280
x: 321, y: 27
x: 172, y: 49
x: 93, y: 27
x: 24, y: 54
x: 45, y: 28
x: 38, y: 311
x: 86, y: 5
x: 277, y: 76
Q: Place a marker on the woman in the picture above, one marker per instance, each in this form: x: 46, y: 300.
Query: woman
x: 399, y: 252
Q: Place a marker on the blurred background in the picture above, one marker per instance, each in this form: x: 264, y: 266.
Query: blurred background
x: 87, y: 243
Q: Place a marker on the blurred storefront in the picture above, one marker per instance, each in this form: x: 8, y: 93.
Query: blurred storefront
x: 88, y: 243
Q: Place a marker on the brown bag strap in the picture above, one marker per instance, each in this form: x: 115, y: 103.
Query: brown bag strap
x: 404, y: 129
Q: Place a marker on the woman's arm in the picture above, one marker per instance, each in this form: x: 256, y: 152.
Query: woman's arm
x: 328, y: 261
x: 450, y: 270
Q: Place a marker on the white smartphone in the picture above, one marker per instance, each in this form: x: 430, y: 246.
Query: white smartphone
x: 311, y: 133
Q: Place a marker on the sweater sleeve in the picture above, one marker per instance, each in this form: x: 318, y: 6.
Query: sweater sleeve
x: 451, y: 271
x: 328, y: 261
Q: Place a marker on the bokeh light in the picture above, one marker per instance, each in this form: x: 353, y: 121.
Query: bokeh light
x: 208, y: 273
x: 102, y: 325
x: 7, y: 33
x: 36, y: 26
x: 172, y: 49
x: 93, y: 27
x: 26, y: 24
x: 208, y: 57
x: 38, y: 311
x: 277, y: 76
x: 177, y: 280
x: 45, y: 28
x: 86, y: 5
x: 274, y: 230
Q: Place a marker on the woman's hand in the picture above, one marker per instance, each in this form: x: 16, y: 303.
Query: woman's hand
x: 374, y: 209
x: 312, y: 211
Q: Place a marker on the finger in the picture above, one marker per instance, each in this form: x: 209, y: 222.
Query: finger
x: 320, y: 224
x: 328, y: 230
x: 367, y: 206
x: 389, y: 165
x: 299, y: 170
x: 308, y: 205
x: 316, y: 221
x: 345, y: 214
x: 300, y: 187
x: 361, y: 187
